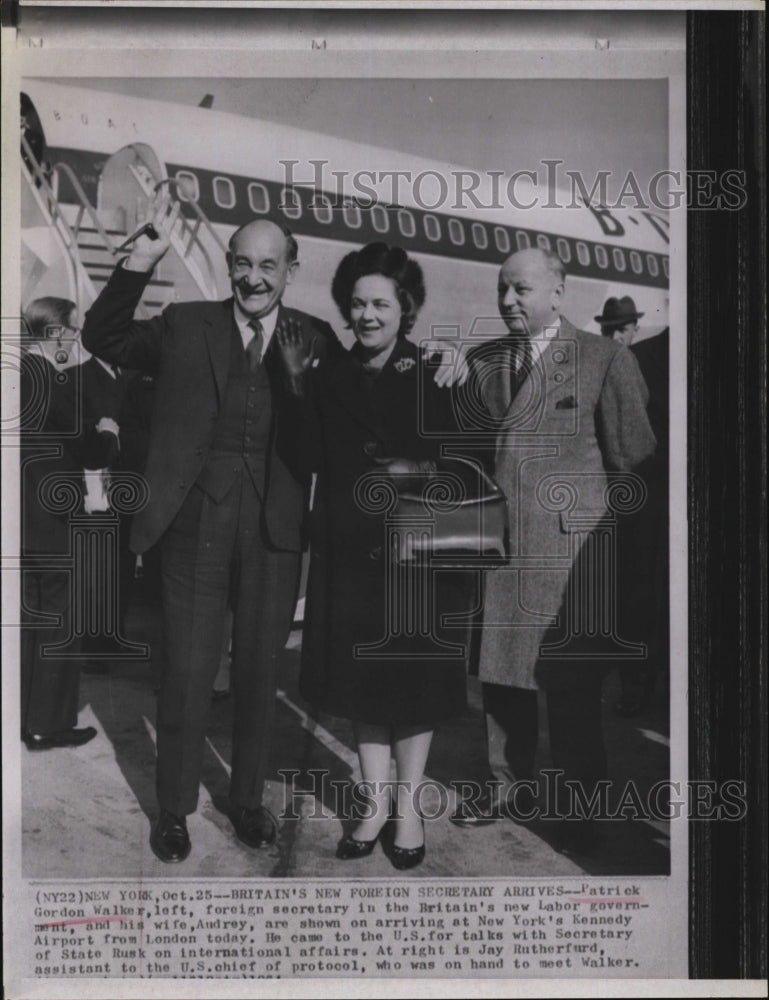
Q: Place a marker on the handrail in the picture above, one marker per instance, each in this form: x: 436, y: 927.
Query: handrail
x: 79, y: 277
x: 85, y: 205
x: 81, y: 283
x: 188, y: 231
x: 193, y: 237
x: 196, y: 208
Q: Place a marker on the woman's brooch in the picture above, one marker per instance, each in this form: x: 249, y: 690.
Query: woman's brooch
x: 404, y: 364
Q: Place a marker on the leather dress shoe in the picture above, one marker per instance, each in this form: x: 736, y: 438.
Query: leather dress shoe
x: 169, y: 839
x: 576, y: 838
x: 477, y: 812
x: 64, y: 738
x: 254, y: 827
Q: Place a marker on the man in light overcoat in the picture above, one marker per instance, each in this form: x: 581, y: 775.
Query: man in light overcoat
x: 568, y: 419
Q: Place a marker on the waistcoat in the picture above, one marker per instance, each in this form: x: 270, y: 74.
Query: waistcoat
x: 242, y: 430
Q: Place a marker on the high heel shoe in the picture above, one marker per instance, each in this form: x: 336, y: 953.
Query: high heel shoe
x: 349, y: 848
x: 406, y: 857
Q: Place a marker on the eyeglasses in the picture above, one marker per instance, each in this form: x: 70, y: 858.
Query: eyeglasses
x: 56, y: 331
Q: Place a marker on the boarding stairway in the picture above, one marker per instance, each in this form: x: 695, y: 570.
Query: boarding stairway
x: 73, y: 244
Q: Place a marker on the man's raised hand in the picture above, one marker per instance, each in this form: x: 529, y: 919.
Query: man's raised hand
x: 148, y: 248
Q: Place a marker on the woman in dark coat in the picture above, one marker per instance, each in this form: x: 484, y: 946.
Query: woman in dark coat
x: 375, y: 649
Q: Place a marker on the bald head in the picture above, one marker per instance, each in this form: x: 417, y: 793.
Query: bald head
x: 292, y: 250
x: 261, y: 261
x: 530, y: 291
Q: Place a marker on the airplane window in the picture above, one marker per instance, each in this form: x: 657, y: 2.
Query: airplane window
x: 666, y: 267
x: 635, y: 262
x: 352, y: 217
x: 456, y: 232
x: 258, y: 197
x: 583, y: 253
x: 601, y: 257
x: 380, y: 220
x: 522, y: 239
x: 564, y: 250
x: 187, y: 188
x: 502, y: 239
x: 480, y: 236
x: 290, y: 204
x: 618, y: 256
x: 321, y: 208
x: 543, y: 242
x: 406, y: 223
x: 652, y: 265
x: 224, y: 192
x: 432, y: 227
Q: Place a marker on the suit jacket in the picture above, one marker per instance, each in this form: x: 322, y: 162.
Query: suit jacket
x: 186, y: 348
x: 580, y: 415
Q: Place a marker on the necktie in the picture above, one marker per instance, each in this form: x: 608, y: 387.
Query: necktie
x: 520, y: 366
x: 254, y: 346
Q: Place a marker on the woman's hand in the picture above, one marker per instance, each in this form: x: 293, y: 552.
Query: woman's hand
x: 297, y: 356
x: 453, y: 369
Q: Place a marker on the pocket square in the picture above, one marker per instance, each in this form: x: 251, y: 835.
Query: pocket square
x: 567, y: 403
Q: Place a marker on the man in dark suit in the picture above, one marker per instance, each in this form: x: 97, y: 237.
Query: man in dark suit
x: 227, y: 501
x: 567, y: 412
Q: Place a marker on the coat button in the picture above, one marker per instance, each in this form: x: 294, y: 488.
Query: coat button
x: 375, y: 553
x: 198, y: 451
x: 370, y: 448
x: 182, y: 486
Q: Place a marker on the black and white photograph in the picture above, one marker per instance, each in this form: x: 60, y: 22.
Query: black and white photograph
x: 345, y: 457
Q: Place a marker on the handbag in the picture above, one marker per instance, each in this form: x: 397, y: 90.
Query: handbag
x: 457, y: 520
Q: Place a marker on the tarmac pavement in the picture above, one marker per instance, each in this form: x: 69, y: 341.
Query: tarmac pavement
x: 87, y: 812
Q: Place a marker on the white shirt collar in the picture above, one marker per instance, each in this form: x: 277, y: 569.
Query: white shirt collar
x: 269, y: 322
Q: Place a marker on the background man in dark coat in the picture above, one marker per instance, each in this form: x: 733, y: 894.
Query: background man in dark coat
x: 226, y: 501
x: 58, y: 443
x: 644, y: 548
x: 569, y: 409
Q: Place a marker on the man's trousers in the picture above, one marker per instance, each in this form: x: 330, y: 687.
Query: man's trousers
x: 214, y: 555
x: 50, y: 685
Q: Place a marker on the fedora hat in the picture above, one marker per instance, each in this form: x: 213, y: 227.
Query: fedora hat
x: 618, y: 311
